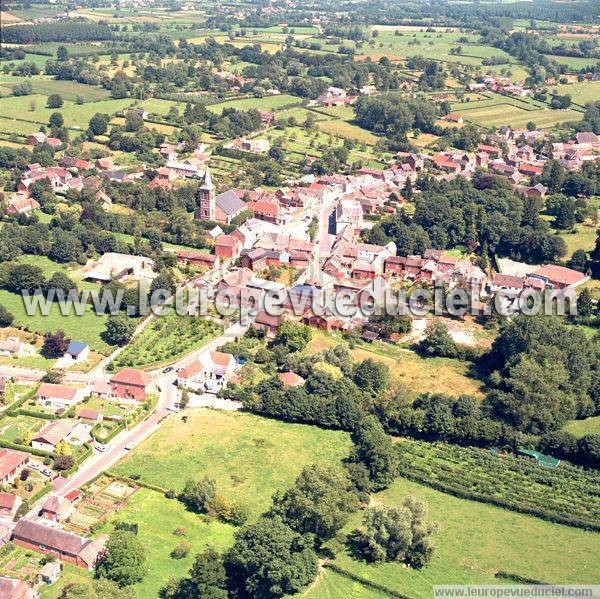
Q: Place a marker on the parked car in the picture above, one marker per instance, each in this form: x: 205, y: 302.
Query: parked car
x: 130, y: 445
x: 168, y: 369
x: 100, y: 447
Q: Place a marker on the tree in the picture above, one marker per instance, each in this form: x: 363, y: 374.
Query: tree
x: 25, y: 277
x: 293, y: 336
x: 124, y: 561
x: 56, y: 120
x: 62, y: 53
x: 374, y: 448
x: 438, y: 341
x: 66, y: 247
x: 207, y: 579
x: 199, y: 496
x: 578, y: 260
x: 553, y: 175
x: 64, y: 462
x: 396, y: 533
x: 60, y: 280
x: 98, y: 124
x: 269, y: 559
x: 371, y: 376
x: 585, y: 304
x: 320, y: 502
x: 133, y: 121
x: 97, y: 589
x: 119, y: 329
x: 54, y: 101
x: 63, y: 448
x: 6, y: 317
x: 55, y: 344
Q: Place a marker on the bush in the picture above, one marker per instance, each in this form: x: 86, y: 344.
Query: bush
x: 181, y: 550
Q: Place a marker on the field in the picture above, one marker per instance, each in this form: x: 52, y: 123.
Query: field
x: 267, y: 103
x: 474, y: 541
x: 69, y: 90
x: 579, y: 428
x: 165, y: 339
x: 498, y: 114
x: 408, y: 370
x: 157, y: 518
x: 16, y: 110
x: 331, y: 585
x: 242, y: 452
x: 580, y: 92
x: 14, y: 427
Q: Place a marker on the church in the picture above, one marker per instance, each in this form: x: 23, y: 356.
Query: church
x: 220, y: 208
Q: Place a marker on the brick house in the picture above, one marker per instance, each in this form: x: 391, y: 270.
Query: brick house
x: 9, y: 504
x: 130, y: 383
x: 15, y: 588
x: 67, y: 547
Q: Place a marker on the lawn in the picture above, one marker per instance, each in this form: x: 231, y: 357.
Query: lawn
x: 14, y: 427
x: 475, y: 540
x: 584, y: 238
x: 250, y: 457
x: 579, y: 428
x: 70, y: 575
x: 166, y: 339
x: 266, y: 103
x: 157, y: 517
x: 348, y: 130
x: 86, y: 328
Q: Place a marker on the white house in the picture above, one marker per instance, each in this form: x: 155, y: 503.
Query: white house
x: 118, y: 266
x: 52, y: 434
x: 60, y: 396
x: 208, y: 374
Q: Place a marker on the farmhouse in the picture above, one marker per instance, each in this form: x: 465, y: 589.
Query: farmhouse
x: 130, y: 383
x: 11, y: 464
x: 559, y: 277
x: 119, y: 266
x: 66, y: 546
x: 52, y: 434
x: 57, y: 509
x: 21, y: 204
x: 59, y: 397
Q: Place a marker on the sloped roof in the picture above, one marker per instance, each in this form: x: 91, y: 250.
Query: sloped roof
x: 229, y: 203
x: 131, y: 376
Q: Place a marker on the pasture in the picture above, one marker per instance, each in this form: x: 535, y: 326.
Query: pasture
x: 244, y: 453
x: 579, y: 428
x: 474, y: 541
x: 69, y: 90
x: 581, y: 92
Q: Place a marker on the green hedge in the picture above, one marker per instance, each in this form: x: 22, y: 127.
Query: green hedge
x: 111, y: 435
x: 136, y: 483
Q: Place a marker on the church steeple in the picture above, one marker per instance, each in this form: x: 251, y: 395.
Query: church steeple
x: 206, y: 198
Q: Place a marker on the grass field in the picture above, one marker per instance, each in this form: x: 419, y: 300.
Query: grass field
x: 157, y: 518
x: 496, y: 115
x: 86, y: 328
x: 75, y: 116
x: 581, y: 93
x: 475, y: 540
x: 165, y: 339
x: 408, y: 370
x: 69, y: 90
x: 14, y: 427
x: 250, y: 457
x: 579, y: 428
x: 331, y: 585
x: 267, y: 103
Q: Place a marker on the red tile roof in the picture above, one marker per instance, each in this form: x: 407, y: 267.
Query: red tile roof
x: 58, y: 391
x: 11, y: 459
x: 131, y: 376
x: 7, y: 500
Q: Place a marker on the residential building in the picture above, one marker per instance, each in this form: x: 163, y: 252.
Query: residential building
x: 11, y: 464
x: 209, y: 373
x: 68, y: 547
x: 60, y: 397
x: 9, y: 504
x: 52, y: 434
x: 15, y: 588
x: 77, y: 351
x: 131, y: 383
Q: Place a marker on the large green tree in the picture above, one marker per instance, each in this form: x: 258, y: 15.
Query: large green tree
x: 269, y: 559
x: 320, y: 502
x: 124, y: 561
